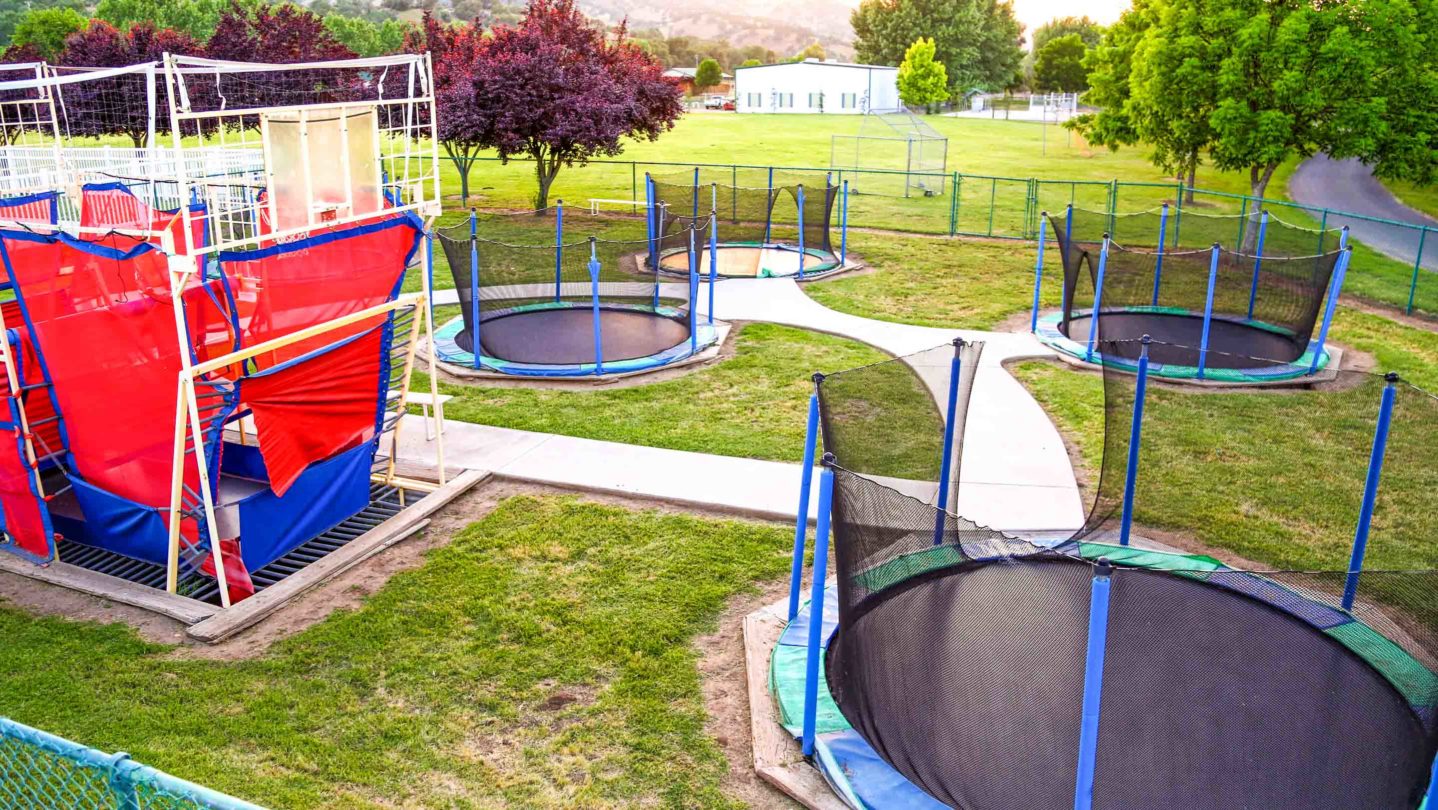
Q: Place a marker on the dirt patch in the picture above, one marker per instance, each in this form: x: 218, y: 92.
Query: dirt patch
x: 726, y: 698
x: 1417, y: 321
x: 44, y: 599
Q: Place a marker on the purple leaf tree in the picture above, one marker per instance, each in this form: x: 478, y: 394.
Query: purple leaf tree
x: 116, y: 106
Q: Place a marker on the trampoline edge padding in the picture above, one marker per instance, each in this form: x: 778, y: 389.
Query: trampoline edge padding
x: 1221, y: 366
x: 751, y: 260
x: 1321, y: 647
x: 656, y: 338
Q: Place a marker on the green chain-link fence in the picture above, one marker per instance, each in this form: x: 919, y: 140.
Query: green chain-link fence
x: 39, y: 771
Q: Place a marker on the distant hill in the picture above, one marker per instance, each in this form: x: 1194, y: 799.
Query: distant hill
x: 785, y: 26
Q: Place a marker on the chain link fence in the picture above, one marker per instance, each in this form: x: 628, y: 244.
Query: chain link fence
x: 39, y: 771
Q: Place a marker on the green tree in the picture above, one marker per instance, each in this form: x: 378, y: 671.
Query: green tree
x: 922, y: 81
x: 977, y: 41
x: 813, y: 51
x: 707, y: 75
x: 367, y: 38
x: 1088, y: 30
x: 12, y: 11
x: 45, y: 29
x: 751, y: 63
x: 194, y: 17
x: 1059, y: 65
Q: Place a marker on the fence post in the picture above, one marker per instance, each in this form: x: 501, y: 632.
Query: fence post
x: 1135, y: 437
x: 954, y: 208
x: 1257, y: 262
x: 1093, y: 684
x: 1370, y: 488
x: 1097, y: 300
x: 1322, y: 229
x: 806, y: 479
x: 650, y: 217
x: 1335, y: 287
x: 844, y: 226
x: 1208, y: 311
x: 816, y: 605
x: 558, y: 249
x: 1242, y: 222
x: 633, y: 183
x: 946, y: 464
x: 1158, y: 263
x: 693, y: 215
x: 769, y: 214
x: 1038, y: 276
x: 799, y: 192
x: 993, y: 194
x: 121, y: 780
x: 475, y: 347
x: 1417, y: 268
x: 1112, y: 203
x: 594, y: 293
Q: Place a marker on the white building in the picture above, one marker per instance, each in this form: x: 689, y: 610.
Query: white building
x: 814, y: 86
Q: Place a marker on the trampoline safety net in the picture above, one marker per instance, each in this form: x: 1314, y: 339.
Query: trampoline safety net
x: 960, y: 652
x: 745, y: 216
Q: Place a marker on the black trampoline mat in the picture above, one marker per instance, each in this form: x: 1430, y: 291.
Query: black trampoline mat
x: 566, y: 336
x: 1230, y: 344
x: 971, y: 685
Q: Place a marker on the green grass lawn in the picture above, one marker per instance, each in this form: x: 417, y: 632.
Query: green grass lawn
x: 544, y: 658
x: 1423, y: 198
x: 1277, y: 478
x: 753, y: 404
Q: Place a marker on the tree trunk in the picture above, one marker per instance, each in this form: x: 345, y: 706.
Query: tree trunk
x: 545, y: 172
x: 1258, y: 177
x: 463, y: 159
x: 1192, y: 179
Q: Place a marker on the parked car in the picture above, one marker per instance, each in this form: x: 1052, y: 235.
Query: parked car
x: 714, y: 101
x: 728, y: 104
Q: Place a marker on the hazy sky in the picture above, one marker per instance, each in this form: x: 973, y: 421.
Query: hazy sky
x: 1033, y: 13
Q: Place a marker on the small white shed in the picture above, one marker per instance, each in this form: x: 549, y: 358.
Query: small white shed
x: 815, y: 86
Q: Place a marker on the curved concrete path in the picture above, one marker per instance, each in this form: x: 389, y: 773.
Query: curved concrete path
x: 1015, y: 471
x: 1348, y: 185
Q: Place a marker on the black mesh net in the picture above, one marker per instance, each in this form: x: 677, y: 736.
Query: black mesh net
x: 1264, y: 306
x: 1246, y: 664
x: 1254, y: 233
x: 581, y: 275
x: 758, y: 216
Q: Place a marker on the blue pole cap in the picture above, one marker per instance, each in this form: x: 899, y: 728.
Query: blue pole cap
x: 829, y: 460
x: 1103, y: 568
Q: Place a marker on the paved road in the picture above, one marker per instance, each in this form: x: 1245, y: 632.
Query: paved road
x: 1348, y: 185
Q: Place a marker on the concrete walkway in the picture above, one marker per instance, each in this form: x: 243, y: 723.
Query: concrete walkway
x: 1348, y: 185
x: 1015, y: 472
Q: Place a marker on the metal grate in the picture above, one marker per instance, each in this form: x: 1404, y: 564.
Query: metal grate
x: 384, y: 504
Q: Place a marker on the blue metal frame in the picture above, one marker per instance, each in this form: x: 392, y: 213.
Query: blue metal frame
x: 1208, y: 311
x: 1334, y: 289
x: 713, y: 259
x: 946, y: 464
x: 558, y: 249
x: 594, y: 291
x: 649, y: 224
x: 474, y: 290
x: 816, y: 606
x: 1158, y: 265
x: 1038, y: 274
x: 1093, y: 684
x: 844, y: 225
x: 1257, y: 262
x: 1097, y: 296
x: 799, y: 195
x: 806, y: 481
x: 693, y: 294
x: 1370, y: 489
x: 1135, y: 437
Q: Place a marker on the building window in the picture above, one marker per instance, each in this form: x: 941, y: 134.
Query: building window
x: 849, y: 101
x: 816, y: 100
x: 756, y: 99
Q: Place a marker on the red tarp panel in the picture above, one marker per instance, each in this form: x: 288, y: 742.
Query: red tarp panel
x: 113, y: 205
x: 24, y: 520
x: 37, y: 208
x: 102, y: 316
x: 284, y: 288
x: 315, y: 407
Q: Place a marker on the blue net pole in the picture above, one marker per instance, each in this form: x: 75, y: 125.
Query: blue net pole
x: 946, y: 464
x: 693, y: 295
x: 475, y: 347
x: 594, y: 294
x: 663, y: 209
x: 816, y: 606
x: 1208, y: 311
x: 558, y: 249
x: 800, y: 197
x: 1430, y: 799
x: 713, y: 259
x: 844, y: 228
x: 806, y: 482
x: 1097, y: 300
x: 1334, y: 289
x: 1370, y: 489
x: 1092, y: 684
x: 1135, y: 437
x: 769, y: 213
x: 1343, y: 238
x: 1257, y: 262
x: 649, y: 218
x: 1038, y: 274
x: 1158, y: 260
x: 695, y: 213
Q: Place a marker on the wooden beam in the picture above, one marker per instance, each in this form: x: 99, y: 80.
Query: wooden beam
x: 180, y: 608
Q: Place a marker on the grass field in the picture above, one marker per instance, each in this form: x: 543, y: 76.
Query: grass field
x: 1423, y: 198
x: 542, y: 659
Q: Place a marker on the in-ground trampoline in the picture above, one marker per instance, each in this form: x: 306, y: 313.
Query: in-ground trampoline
x: 564, y: 310
x: 1240, y: 314
x: 775, y: 231
x: 962, y: 666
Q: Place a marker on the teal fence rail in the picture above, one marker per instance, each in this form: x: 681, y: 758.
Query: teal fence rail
x: 1394, y: 264
x: 39, y: 771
